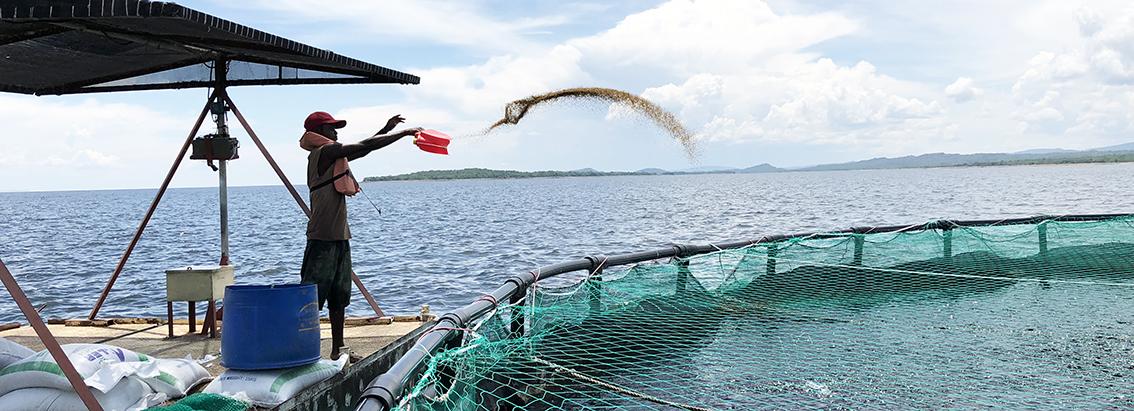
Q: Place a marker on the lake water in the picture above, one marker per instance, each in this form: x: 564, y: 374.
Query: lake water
x: 444, y: 243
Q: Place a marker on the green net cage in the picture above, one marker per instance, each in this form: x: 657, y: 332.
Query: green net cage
x: 1003, y: 316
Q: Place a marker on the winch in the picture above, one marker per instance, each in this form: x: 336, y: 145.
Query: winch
x: 215, y: 147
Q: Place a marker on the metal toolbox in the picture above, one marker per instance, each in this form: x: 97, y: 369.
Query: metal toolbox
x: 197, y: 283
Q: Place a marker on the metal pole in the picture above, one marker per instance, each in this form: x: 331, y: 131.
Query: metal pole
x: 150, y: 212
x: 224, y: 212
x: 48, y: 340
x: 295, y: 194
x: 219, y: 110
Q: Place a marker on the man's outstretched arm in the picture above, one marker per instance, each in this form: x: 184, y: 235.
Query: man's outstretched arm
x: 362, y: 148
x: 376, y: 142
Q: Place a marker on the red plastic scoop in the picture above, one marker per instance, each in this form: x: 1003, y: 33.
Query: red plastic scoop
x: 433, y: 141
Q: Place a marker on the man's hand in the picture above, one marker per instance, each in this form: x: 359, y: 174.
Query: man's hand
x: 391, y: 123
x: 395, y: 120
x: 412, y: 131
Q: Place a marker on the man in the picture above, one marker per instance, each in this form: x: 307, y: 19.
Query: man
x: 326, y: 261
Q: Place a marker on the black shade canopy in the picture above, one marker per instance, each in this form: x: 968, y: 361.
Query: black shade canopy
x: 65, y: 47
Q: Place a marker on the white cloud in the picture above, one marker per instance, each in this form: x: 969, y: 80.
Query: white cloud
x: 963, y: 90
x: 77, y: 134
x: 456, y: 23
x: 1083, y: 91
x: 826, y: 96
x: 730, y: 70
x: 79, y: 141
x: 1089, y: 21
x: 691, y: 37
x: 484, y: 89
x: 811, y: 102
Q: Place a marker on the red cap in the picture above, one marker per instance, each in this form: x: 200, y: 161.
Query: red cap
x: 319, y: 118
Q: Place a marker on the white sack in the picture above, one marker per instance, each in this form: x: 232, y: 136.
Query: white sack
x: 129, y: 394
x: 11, y: 352
x: 269, y: 388
x: 176, y: 376
x: 101, y: 367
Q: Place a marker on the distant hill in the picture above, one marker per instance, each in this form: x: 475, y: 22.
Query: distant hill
x: 980, y: 159
x: 1121, y: 153
x: 1045, y: 151
x: 762, y: 168
x: 471, y: 173
x: 1120, y: 147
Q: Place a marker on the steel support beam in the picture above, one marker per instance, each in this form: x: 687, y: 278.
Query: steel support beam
x: 150, y: 211
x: 48, y: 340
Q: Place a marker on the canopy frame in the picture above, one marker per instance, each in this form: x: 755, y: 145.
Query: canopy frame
x: 117, y: 38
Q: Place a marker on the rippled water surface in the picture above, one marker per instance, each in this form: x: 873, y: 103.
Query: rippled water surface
x: 444, y: 243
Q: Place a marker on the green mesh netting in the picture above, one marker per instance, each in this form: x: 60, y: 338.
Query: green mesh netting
x: 1026, y: 316
x: 205, y: 402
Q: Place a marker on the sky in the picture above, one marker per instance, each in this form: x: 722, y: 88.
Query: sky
x: 786, y: 82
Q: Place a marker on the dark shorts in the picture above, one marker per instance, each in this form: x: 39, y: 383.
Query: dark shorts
x: 327, y: 265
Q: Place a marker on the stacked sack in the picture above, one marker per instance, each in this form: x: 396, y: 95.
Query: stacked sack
x: 270, y: 388
x: 11, y: 352
x: 119, y: 378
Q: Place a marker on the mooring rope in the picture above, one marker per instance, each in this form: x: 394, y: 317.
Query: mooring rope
x: 617, y: 388
x: 599, y: 267
x: 490, y: 299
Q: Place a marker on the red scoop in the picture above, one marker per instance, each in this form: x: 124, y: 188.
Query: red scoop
x: 433, y: 141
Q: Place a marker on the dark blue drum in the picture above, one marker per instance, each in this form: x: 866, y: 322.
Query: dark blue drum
x: 270, y: 326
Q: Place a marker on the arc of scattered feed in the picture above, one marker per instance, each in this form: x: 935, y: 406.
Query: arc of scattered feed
x: 516, y: 110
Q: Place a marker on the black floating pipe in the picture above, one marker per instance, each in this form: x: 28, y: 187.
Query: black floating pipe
x: 383, y: 392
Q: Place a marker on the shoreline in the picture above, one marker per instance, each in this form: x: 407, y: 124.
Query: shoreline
x: 521, y: 175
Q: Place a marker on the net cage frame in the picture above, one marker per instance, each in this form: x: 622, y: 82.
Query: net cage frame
x: 388, y: 389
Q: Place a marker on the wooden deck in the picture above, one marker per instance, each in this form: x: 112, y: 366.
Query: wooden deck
x: 381, y: 345
x: 150, y: 339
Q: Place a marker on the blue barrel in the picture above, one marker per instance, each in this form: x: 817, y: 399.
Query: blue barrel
x: 270, y: 326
